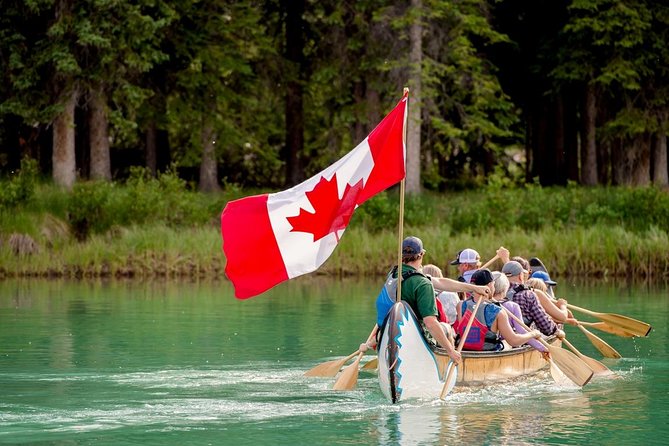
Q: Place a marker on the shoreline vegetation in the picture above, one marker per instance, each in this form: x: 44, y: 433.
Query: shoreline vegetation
x: 158, y: 227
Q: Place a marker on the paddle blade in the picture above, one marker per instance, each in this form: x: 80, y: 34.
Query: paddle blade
x: 451, y: 377
x: 605, y: 349
x: 330, y: 368
x: 559, y: 377
x: 371, y: 365
x: 638, y: 328
x: 603, y: 326
x: 571, y: 365
x: 596, y: 366
x: 349, y: 376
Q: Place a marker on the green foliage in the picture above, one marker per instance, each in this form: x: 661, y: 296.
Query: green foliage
x: 88, y: 208
x: 530, y: 208
x: 19, y: 189
x: 95, y: 207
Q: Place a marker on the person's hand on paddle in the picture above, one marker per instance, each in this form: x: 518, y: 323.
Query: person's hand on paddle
x: 455, y: 355
x: 366, y: 346
x: 571, y: 321
x: 560, y: 334
x: 561, y: 303
x: 482, y: 289
x: 536, y: 334
x: 503, y: 254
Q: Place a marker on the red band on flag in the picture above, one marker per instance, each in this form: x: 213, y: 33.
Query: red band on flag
x: 249, y: 239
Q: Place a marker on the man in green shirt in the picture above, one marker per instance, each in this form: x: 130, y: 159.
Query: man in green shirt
x: 418, y: 292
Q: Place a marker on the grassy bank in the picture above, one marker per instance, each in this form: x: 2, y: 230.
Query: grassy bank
x: 159, y: 228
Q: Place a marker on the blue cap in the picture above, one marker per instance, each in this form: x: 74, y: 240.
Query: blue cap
x: 412, y: 246
x: 543, y: 275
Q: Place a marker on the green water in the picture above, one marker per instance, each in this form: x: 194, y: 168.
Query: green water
x: 173, y: 364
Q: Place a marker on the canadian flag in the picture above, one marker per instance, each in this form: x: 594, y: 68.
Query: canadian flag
x: 274, y: 237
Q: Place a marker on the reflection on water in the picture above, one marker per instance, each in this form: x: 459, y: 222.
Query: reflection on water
x: 128, y: 363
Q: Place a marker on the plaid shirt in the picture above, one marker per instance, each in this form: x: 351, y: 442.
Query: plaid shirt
x: 531, y: 308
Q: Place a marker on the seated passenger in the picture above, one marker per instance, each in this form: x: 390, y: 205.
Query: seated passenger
x: 519, y: 292
x: 500, y: 287
x: 489, y: 322
x: 446, y: 300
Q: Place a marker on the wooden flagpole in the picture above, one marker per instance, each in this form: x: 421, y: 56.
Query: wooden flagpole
x: 400, y: 231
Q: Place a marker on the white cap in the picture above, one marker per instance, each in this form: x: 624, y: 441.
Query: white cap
x: 467, y: 256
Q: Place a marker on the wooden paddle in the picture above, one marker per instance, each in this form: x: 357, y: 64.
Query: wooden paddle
x: 330, y: 368
x: 596, y: 366
x: 349, y: 376
x: 448, y: 384
x: 625, y: 323
x: 372, y: 364
x: 603, y: 326
x: 605, y: 349
x: 568, y: 363
x: 490, y: 262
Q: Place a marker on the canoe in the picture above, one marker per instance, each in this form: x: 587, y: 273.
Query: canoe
x: 409, y: 368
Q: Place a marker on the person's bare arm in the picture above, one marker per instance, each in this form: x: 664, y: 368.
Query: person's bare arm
x: 446, y: 284
x: 503, y: 325
x: 435, y: 329
x: 555, y: 309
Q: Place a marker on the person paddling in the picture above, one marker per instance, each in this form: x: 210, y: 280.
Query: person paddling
x: 418, y: 292
x: 490, y: 321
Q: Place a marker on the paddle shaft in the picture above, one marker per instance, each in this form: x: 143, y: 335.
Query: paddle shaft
x: 490, y: 262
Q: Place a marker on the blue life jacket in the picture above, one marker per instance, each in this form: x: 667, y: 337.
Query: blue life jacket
x: 386, y: 298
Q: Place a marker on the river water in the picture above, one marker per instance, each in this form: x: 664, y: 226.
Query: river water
x: 186, y: 363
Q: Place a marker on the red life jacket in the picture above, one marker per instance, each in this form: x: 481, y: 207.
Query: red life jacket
x: 476, y: 337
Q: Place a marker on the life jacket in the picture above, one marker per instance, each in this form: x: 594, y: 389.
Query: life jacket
x: 480, y: 337
x: 386, y: 298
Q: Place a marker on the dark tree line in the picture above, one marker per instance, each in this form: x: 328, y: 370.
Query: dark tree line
x: 265, y: 93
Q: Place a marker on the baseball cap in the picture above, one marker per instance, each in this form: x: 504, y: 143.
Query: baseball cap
x: 466, y: 256
x: 513, y: 268
x: 412, y: 246
x: 543, y: 275
x: 482, y: 277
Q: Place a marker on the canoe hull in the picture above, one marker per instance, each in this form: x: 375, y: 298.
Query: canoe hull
x: 409, y: 368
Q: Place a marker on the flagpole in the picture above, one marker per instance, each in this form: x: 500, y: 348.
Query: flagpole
x: 400, y: 235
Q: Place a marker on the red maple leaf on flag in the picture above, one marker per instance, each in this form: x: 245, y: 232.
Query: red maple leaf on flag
x: 331, y: 213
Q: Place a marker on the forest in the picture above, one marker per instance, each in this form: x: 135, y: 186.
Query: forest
x: 265, y: 93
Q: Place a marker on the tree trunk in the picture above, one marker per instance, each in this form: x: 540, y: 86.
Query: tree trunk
x: 571, y: 138
x: 660, y: 173
x: 588, y: 141
x: 99, y: 137
x: 539, y: 142
x: 294, y: 90
x: 413, y: 161
x: 152, y: 149
x: 63, y: 158
x: 373, y: 109
x: 640, y: 160
x: 619, y: 167
x: 208, y: 166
